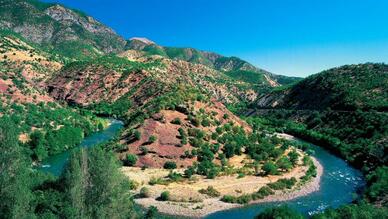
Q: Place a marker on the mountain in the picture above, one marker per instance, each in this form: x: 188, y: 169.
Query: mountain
x: 59, y: 29
x: 232, y: 66
x: 73, y: 34
x: 348, y: 87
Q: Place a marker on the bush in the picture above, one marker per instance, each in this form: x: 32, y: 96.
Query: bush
x: 205, y: 123
x: 265, y: 191
x: 210, y: 191
x: 144, y: 192
x: 284, y: 163
x: 189, y: 172
x: 173, y: 176
x: 283, y: 184
x: 228, y: 199
x: 130, y: 160
x: 279, y: 212
x: 152, y: 139
x: 170, y: 165
x: 137, y: 134
x: 176, y: 121
x: 164, y: 196
x: 144, y: 150
x: 151, y: 212
x: 270, y: 168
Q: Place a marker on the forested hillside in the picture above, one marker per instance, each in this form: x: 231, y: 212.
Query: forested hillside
x: 344, y: 110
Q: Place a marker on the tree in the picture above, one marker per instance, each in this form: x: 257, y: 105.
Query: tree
x: 284, y: 163
x: 294, y: 157
x: 15, y: 193
x: 270, y: 168
x: 95, y: 187
x: 170, y: 165
x: 76, y: 185
x: 279, y: 212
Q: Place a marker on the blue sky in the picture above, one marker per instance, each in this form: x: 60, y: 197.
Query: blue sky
x: 289, y: 37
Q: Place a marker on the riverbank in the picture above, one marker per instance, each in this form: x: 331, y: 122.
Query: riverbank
x: 197, y: 206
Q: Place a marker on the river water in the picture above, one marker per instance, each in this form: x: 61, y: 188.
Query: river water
x: 339, y: 180
x: 339, y: 183
x: 55, y: 164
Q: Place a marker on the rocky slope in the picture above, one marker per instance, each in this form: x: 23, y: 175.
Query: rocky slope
x: 134, y: 75
x: 24, y: 70
x: 65, y: 31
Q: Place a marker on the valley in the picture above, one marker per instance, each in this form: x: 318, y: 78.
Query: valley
x: 93, y: 125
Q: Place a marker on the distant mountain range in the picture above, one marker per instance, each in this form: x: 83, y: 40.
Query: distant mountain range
x: 75, y: 35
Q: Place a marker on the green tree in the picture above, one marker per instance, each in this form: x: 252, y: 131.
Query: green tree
x: 169, y: 165
x: 270, y: 168
x: 76, y: 179
x: 15, y: 193
x: 95, y: 187
x: 282, y: 212
x: 294, y: 157
x: 284, y: 163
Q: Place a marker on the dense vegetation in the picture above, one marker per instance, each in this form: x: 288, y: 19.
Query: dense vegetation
x: 350, y: 120
x: 346, y: 88
x: 56, y: 129
x: 90, y: 187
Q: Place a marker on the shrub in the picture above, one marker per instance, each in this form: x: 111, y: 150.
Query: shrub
x: 176, y: 121
x: 210, y: 191
x: 226, y: 116
x: 205, y: 122
x: 151, y: 212
x: 244, y: 199
x: 152, y: 139
x: 279, y: 212
x: 284, y: 163
x: 170, y: 165
x: 283, y: 184
x: 228, y: 199
x: 130, y: 160
x: 294, y: 156
x: 219, y: 130
x: 189, y: 172
x: 174, y: 176
x: 137, y: 134
x: 270, y: 168
x: 144, y: 192
x: 164, y: 196
x: 144, y: 150
x: 265, y: 191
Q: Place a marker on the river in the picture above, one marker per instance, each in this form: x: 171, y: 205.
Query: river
x: 55, y: 164
x: 339, y: 181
